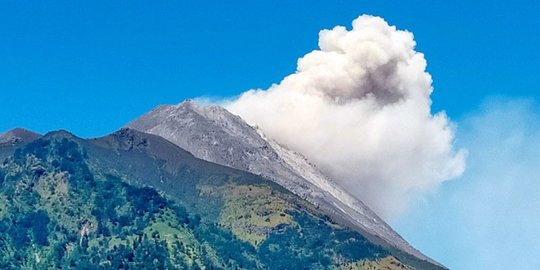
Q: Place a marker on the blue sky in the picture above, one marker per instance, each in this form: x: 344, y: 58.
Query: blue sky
x: 488, y: 218
x: 91, y: 68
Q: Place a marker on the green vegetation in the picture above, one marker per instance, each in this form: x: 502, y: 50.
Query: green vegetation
x: 59, y: 210
x: 251, y: 212
x: 387, y: 263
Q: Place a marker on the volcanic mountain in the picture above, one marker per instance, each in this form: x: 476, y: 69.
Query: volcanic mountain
x: 214, y: 134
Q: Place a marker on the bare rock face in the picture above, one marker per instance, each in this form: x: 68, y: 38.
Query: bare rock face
x: 214, y: 134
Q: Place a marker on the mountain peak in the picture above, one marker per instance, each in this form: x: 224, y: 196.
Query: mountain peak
x: 210, y: 111
x: 18, y: 135
x: 61, y: 133
x: 186, y: 105
x: 187, y: 102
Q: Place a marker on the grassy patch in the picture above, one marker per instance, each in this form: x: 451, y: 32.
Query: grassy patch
x: 386, y: 263
x: 251, y: 212
x: 169, y: 229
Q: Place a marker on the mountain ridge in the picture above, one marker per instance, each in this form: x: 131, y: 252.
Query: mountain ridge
x: 63, y: 180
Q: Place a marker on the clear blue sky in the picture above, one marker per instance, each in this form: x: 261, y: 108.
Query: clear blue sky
x: 92, y: 66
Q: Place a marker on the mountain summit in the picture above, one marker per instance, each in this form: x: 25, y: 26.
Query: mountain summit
x: 214, y: 134
x: 18, y: 135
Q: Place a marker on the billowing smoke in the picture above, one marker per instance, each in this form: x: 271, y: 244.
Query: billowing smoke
x: 359, y: 108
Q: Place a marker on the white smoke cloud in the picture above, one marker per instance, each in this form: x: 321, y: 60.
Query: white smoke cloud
x: 359, y: 108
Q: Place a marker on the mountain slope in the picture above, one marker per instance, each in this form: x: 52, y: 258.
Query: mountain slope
x: 213, y: 134
x: 136, y: 201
